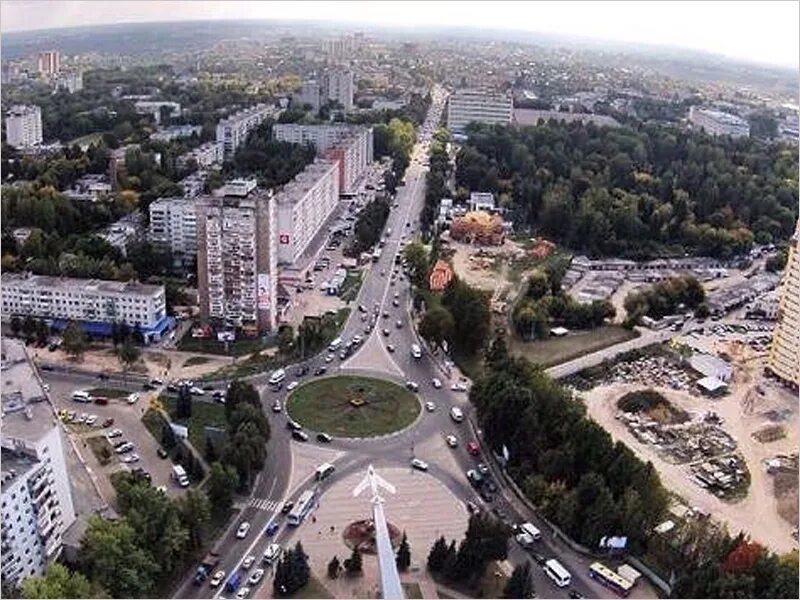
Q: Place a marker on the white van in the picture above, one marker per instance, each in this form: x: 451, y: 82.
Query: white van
x: 324, y: 470
x: 179, y: 475
x: 81, y: 396
x: 531, y: 530
x: 277, y: 377
x: 416, y: 351
x: 555, y: 571
x: 456, y: 414
x: 335, y: 345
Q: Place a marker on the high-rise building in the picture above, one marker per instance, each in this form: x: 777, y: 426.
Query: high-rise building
x: 37, y: 505
x: 232, y: 132
x: 303, y: 206
x: 49, y: 63
x: 237, y: 261
x: 351, y: 145
x: 173, y: 223
x: 72, y: 81
x: 338, y: 86
x: 716, y: 122
x: 468, y: 106
x: 784, y: 354
x: 24, y: 126
x: 310, y: 93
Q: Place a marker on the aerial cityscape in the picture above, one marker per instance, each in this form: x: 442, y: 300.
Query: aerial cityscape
x: 400, y: 299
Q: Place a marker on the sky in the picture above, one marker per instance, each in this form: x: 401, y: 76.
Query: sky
x: 759, y: 31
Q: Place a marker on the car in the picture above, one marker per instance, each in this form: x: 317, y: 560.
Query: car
x: 486, y: 495
x: 362, y: 308
x: 395, y: 303
x: 412, y: 386
x: 386, y: 332
x: 473, y: 448
x: 276, y: 406
x: 287, y: 506
x: 217, y: 578
x: 300, y: 435
x: 111, y: 434
x: 293, y: 425
x: 131, y: 458
x: 356, y: 340
x: 343, y: 354
x: 575, y: 594
x: 91, y: 420
x: 483, y: 469
x: 108, y: 422
x: 124, y: 448
x: 292, y: 385
x: 272, y: 554
x: 256, y: 576
x: 248, y: 562
x: 540, y: 559
x: 430, y: 406
x: 436, y: 382
x: 320, y: 371
x: 418, y: 464
x: 244, y: 527
x: 156, y: 381
x: 272, y: 529
x: 243, y: 593
x: 451, y: 440
x: 390, y: 347
x: 458, y: 387
x: 101, y: 400
x: 324, y: 437
x: 218, y: 396
x: 329, y: 358
x: 385, y: 315
x: 149, y: 387
x: 162, y: 453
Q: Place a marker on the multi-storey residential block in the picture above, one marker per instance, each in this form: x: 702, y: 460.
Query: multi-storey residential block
x: 784, y: 355
x: 309, y: 93
x: 72, y: 81
x: 94, y: 303
x: 237, y: 261
x: 24, y: 126
x: 205, y: 156
x: 176, y: 132
x: 303, y: 206
x: 232, y: 132
x: 467, y: 106
x: 173, y: 223
x: 37, y: 505
x: 154, y: 107
x: 715, y: 122
x: 351, y: 145
x: 337, y: 85
x: 49, y: 63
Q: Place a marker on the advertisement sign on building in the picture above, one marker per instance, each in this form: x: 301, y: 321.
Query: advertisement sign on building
x: 263, y: 291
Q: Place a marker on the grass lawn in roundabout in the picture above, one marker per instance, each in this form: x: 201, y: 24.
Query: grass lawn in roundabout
x: 353, y: 406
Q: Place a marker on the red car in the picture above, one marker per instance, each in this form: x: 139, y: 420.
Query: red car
x: 101, y: 400
x: 473, y: 448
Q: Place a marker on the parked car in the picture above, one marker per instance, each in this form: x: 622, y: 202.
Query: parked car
x: 451, y: 440
x: 418, y: 464
x: 162, y: 453
x: 300, y: 435
x: 276, y: 406
x: 473, y: 448
x: 324, y: 437
x: 108, y: 422
x: 430, y: 406
x: 437, y: 383
x: 320, y: 371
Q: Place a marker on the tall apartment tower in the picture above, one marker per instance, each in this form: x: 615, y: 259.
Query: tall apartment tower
x: 784, y: 354
x: 237, y: 261
x: 49, y: 63
x: 24, y: 126
x: 338, y: 86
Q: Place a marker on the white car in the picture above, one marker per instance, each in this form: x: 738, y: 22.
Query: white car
x: 114, y: 433
x: 133, y: 398
x: 91, y: 419
x: 329, y: 358
x: 196, y: 391
x: 437, y: 383
x: 257, y: 576
x: 82, y: 418
x: 217, y: 579
x: 458, y: 387
x: 241, y: 533
x: 430, y: 406
x: 131, y: 458
x: 292, y: 385
x: 242, y: 593
x: 451, y: 440
x: 276, y: 406
x: 418, y: 464
x: 248, y: 562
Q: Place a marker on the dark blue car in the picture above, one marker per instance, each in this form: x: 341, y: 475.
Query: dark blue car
x: 271, y: 529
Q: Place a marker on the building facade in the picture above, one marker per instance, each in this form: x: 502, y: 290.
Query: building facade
x: 303, y: 206
x: 310, y: 93
x: 338, y: 86
x: 237, y: 261
x: 173, y: 223
x: 715, y: 122
x: 232, y: 131
x: 49, y: 63
x: 71, y: 81
x: 96, y: 304
x: 467, y: 106
x: 37, y: 506
x: 351, y: 145
x: 153, y: 107
x: 784, y: 355
x: 24, y: 126
x: 205, y: 156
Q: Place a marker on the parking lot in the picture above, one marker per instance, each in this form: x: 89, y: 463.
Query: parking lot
x: 126, y: 418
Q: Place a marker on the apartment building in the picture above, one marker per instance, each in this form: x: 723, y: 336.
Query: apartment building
x: 232, y: 132
x: 351, y: 145
x: 303, y: 206
x: 205, y: 156
x: 784, y: 355
x: 176, y: 132
x: 37, y: 505
x: 154, y: 107
x: 24, y: 126
x: 173, y: 223
x: 71, y: 81
x: 310, y: 93
x: 716, y: 122
x: 96, y: 304
x: 237, y: 261
x: 467, y: 106
x: 49, y: 63
x: 338, y: 86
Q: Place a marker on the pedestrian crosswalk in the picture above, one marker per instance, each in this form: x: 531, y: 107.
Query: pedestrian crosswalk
x: 264, y: 504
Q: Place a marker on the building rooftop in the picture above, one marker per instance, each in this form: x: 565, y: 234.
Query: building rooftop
x: 82, y: 285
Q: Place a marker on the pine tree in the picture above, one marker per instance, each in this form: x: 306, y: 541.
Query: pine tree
x: 210, y: 452
x: 334, y: 567
x: 437, y: 555
x: 403, y: 554
x: 520, y: 584
x: 279, y: 582
x: 353, y: 564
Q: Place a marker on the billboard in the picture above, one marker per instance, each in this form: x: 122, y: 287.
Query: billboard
x: 263, y: 297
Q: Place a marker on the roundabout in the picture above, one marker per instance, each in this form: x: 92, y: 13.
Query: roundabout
x: 353, y: 407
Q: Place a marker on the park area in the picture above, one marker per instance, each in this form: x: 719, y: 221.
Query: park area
x: 556, y: 350
x: 353, y: 406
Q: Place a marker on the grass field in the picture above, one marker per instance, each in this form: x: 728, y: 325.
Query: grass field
x: 101, y: 449
x: 239, y: 347
x: 353, y: 406
x: 555, y: 350
x: 351, y: 285
x: 203, y: 414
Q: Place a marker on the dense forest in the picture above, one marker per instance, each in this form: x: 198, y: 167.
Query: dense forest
x: 639, y: 192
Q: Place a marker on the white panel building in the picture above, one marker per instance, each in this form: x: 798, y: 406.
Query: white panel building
x: 232, y: 131
x: 338, y: 86
x: 715, y: 122
x: 205, y: 155
x: 37, y: 505
x: 467, y: 106
x: 24, y: 126
x: 173, y: 222
x: 310, y: 93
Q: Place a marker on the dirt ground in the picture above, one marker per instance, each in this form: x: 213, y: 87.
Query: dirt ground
x: 744, y: 412
x: 489, y: 273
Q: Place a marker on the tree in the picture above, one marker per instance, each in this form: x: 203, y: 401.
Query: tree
x: 195, y: 514
x: 16, y: 325
x: 240, y: 392
x: 403, y: 554
x: 29, y: 327
x: 183, y: 404
x: 73, y: 340
x: 127, y: 353
x: 437, y: 326
x: 437, y: 555
x: 60, y: 582
x: 292, y: 572
x: 221, y: 484
x: 334, y: 568
x: 520, y: 584
x: 418, y: 265
x: 42, y: 332
x: 352, y: 565
x: 285, y: 338
x: 472, y: 307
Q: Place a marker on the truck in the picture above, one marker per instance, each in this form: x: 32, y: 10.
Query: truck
x: 206, y: 567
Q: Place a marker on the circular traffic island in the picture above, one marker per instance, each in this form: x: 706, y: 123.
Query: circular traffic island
x: 353, y: 406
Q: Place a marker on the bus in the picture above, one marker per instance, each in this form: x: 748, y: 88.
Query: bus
x: 304, y: 504
x: 610, y: 579
x: 555, y: 571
